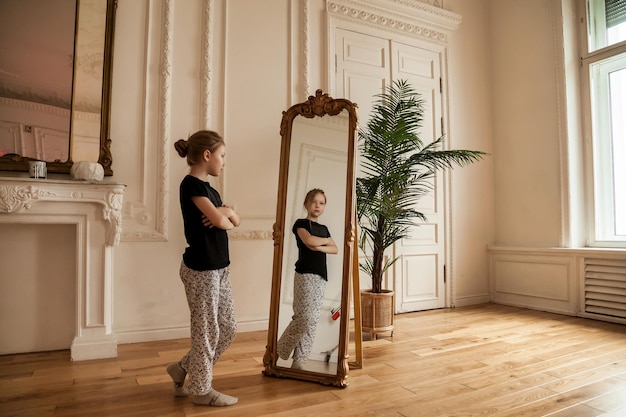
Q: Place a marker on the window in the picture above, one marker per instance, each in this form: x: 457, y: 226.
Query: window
x: 604, y: 81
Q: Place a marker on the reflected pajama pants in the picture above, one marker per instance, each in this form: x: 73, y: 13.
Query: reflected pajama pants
x: 308, y: 295
x: 213, y: 323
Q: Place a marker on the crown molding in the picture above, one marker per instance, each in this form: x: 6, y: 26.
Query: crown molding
x: 410, y: 18
x: 33, y: 106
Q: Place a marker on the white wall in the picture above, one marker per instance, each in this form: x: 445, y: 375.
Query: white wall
x: 526, y: 63
x: 256, y: 73
x: 538, y: 259
x: 525, y: 53
x: 506, y: 97
x: 248, y: 90
x: 253, y: 71
x: 473, y: 193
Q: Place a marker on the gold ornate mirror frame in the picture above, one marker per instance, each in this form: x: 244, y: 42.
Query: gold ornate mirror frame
x: 85, y: 27
x: 320, y: 108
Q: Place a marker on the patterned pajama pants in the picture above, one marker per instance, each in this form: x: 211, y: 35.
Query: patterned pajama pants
x: 213, y: 324
x: 308, y: 295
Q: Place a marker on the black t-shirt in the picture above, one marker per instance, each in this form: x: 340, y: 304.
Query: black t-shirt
x: 208, y: 246
x: 310, y: 261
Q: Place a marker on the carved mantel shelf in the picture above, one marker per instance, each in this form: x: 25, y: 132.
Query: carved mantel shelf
x: 95, y: 210
x: 20, y: 194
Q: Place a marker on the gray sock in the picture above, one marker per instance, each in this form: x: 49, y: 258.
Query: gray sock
x: 215, y: 398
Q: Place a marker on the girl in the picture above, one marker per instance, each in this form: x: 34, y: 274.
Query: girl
x: 204, y: 269
x: 314, y: 242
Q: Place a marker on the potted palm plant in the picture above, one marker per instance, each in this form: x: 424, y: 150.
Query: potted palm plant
x: 397, y: 169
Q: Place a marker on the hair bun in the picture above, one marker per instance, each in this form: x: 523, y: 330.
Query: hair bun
x: 182, y: 147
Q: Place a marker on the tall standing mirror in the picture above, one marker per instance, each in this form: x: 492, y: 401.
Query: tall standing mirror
x: 55, y: 83
x: 317, y: 152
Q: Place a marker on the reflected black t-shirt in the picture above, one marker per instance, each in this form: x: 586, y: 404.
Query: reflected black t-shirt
x: 208, y: 246
x: 310, y: 261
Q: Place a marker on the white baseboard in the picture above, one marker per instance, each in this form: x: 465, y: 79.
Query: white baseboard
x: 151, y: 335
x: 88, y: 348
x: 252, y: 325
x: 532, y: 307
x: 471, y: 300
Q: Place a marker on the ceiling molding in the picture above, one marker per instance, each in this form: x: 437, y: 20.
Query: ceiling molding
x: 411, y: 18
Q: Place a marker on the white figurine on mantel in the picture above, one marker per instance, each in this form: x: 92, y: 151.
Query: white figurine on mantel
x: 85, y: 170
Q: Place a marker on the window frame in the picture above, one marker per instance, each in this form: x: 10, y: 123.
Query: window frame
x: 597, y: 220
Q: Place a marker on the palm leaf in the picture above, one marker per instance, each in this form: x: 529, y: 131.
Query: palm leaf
x: 397, y: 171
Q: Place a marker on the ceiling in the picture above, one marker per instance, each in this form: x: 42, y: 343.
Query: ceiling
x: 36, y: 50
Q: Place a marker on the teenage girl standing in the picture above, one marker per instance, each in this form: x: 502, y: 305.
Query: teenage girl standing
x: 310, y: 278
x: 204, y: 269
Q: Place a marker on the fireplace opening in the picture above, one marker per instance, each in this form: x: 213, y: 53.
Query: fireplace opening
x: 37, y: 287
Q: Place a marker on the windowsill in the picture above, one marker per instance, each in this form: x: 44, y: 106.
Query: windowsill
x: 555, y: 250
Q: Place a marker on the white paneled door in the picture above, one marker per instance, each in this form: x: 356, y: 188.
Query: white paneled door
x: 364, y: 65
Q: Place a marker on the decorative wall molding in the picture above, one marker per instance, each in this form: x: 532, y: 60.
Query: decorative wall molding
x: 414, y: 19
x: 15, y: 198
x: 250, y: 234
x: 165, y: 111
x: 207, y: 62
x: 537, y: 280
x: 147, y: 220
x: 306, y: 52
x: 435, y: 3
x: 425, y: 5
x: 547, y: 279
x: 36, y: 130
x: 20, y: 194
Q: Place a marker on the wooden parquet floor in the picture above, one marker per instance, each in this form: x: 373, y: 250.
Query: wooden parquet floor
x: 487, y: 361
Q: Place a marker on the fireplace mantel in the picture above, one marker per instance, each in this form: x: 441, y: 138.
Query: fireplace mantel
x: 96, y: 211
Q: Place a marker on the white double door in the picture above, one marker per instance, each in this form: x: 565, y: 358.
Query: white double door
x: 364, y: 66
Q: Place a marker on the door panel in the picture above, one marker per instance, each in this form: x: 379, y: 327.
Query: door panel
x: 420, y: 287
x: 362, y: 71
x: 365, y: 65
x: 419, y: 274
x: 362, y: 64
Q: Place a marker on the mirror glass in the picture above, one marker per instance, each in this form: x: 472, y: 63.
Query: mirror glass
x: 317, y: 152
x: 55, y: 74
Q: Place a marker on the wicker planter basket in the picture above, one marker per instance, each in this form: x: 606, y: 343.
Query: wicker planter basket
x: 377, y: 311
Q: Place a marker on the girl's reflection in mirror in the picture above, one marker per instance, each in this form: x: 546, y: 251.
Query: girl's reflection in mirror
x: 314, y: 243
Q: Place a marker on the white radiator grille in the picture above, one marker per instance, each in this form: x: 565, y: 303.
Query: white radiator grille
x: 605, y: 287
